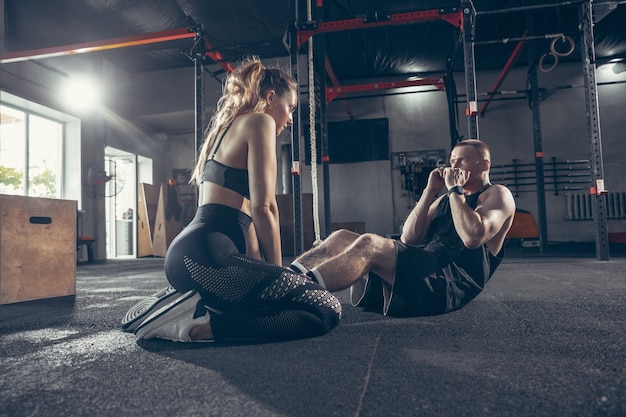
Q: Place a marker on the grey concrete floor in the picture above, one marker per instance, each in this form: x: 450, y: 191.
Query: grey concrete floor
x: 546, y: 338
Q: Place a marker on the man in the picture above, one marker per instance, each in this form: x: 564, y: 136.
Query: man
x: 461, y: 235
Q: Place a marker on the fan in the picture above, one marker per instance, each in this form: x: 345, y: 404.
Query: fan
x: 104, y: 178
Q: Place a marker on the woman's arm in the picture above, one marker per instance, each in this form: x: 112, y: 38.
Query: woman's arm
x: 261, y: 134
x: 252, y: 248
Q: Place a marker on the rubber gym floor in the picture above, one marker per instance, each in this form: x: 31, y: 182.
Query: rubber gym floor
x: 545, y: 338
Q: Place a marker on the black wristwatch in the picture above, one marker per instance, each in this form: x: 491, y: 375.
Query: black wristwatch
x: 456, y: 189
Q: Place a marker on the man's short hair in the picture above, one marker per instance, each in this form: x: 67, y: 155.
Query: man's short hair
x: 479, y: 145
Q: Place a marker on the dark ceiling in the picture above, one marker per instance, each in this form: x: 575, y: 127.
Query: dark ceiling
x: 239, y: 28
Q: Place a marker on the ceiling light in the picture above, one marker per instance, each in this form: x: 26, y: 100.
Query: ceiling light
x: 81, y: 94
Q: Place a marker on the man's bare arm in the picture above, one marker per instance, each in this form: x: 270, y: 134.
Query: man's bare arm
x: 478, y: 226
x: 417, y: 223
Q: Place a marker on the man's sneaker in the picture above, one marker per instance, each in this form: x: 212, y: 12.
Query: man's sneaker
x: 133, y: 317
x: 175, y: 320
x: 367, y: 292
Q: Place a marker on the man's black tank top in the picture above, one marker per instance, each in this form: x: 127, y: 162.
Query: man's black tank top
x: 446, y: 243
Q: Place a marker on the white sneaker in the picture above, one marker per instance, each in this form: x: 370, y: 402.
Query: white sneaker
x: 175, y: 320
x: 144, y: 308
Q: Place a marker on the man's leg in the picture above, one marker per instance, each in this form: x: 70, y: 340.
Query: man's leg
x: 368, y: 252
x: 332, y: 246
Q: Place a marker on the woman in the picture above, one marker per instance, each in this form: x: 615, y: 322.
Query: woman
x: 224, y: 267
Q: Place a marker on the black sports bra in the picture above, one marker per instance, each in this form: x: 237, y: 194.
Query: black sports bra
x: 235, y: 179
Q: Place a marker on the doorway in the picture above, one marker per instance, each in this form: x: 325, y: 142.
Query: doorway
x: 121, y: 203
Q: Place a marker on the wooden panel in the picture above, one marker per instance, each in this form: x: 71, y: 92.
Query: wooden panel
x: 37, y: 248
x: 147, y: 202
x: 169, y: 222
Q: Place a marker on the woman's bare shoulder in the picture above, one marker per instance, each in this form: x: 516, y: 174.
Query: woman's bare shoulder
x: 253, y: 120
x: 254, y: 126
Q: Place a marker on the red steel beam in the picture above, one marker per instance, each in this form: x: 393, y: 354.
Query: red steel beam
x: 218, y: 58
x: 333, y: 92
x: 505, y: 71
x: 336, y: 85
x: 103, y: 45
x: 455, y: 18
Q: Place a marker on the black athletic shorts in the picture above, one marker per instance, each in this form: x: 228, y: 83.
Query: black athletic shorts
x: 425, y: 284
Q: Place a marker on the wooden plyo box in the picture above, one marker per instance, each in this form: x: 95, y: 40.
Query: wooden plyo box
x: 37, y: 248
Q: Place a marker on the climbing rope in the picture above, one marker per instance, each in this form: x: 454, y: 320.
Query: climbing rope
x: 312, y: 137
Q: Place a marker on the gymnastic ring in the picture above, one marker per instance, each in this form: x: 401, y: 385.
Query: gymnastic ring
x: 564, y: 39
x: 550, y: 68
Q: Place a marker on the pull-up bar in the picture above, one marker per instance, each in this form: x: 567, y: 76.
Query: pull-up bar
x: 115, y: 43
x: 333, y: 92
x: 452, y: 15
x: 527, y: 8
x: 103, y: 45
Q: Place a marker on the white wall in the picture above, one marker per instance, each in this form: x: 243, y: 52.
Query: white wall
x: 507, y: 127
x: 362, y: 191
x: 420, y: 122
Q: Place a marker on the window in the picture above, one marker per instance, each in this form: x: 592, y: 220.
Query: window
x: 30, y: 154
x: 352, y: 141
x: 40, y: 150
x: 12, y: 150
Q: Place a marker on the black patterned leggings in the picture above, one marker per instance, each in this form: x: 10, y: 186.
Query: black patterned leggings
x: 251, y: 299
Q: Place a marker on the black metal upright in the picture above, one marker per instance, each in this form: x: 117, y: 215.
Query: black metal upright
x: 593, y: 128
x: 319, y: 53
x: 535, y: 104
x: 198, y: 59
x: 296, y: 134
x: 469, y: 20
x: 453, y: 108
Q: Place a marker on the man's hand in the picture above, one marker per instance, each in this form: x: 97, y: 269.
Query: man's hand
x: 418, y: 221
x: 455, y: 176
x: 436, y: 180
